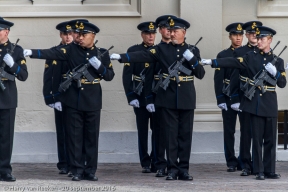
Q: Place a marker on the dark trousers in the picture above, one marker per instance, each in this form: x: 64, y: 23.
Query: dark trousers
x: 83, y: 132
x: 63, y: 158
x: 264, y: 134
x: 245, y: 141
x: 179, y: 127
x: 7, y: 120
x: 229, y: 126
x: 142, y: 121
x: 160, y: 139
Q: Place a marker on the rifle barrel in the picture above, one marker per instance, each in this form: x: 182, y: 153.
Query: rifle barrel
x: 276, y: 45
x: 282, y: 51
x: 198, y: 41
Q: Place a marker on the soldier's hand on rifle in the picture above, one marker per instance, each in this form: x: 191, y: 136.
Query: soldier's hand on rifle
x: 134, y: 103
x: 206, y: 62
x: 223, y: 106
x: 8, y: 60
x: 235, y: 107
x: 95, y: 62
x: 271, y: 69
x: 27, y: 52
x: 115, y: 56
x: 150, y: 108
x: 51, y: 105
x: 188, y: 55
x: 58, y: 106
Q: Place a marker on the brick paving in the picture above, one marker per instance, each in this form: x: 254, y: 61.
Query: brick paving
x: 128, y: 177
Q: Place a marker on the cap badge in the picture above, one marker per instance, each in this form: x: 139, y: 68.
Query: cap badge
x: 171, y: 23
x: 151, y: 26
x: 68, y: 27
x: 81, y: 26
x: 254, y: 25
x: 239, y: 27
x: 76, y: 24
x: 257, y: 31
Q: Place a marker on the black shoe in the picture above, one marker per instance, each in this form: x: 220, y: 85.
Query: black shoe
x: 231, y: 169
x: 171, y: 176
x: 260, y: 176
x: 160, y: 173
x: 77, y: 177
x: 146, y: 170
x: 7, y: 177
x: 272, y: 176
x: 70, y: 174
x: 245, y: 172
x: 90, y: 177
x: 63, y: 171
x: 185, y: 177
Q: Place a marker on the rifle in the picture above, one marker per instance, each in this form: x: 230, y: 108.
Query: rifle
x: 245, y: 86
x: 262, y: 78
x: 175, y: 68
x: 3, y: 73
x: 139, y: 87
x: 156, y: 87
x: 77, y: 73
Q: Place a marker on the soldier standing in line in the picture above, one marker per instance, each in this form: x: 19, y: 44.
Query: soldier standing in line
x: 51, y: 81
x: 134, y: 80
x: 237, y: 82
x: 223, y: 96
x: 179, y: 99
x: 151, y: 93
x: 13, y: 64
x: 260, y: 99
x: 82, y: 101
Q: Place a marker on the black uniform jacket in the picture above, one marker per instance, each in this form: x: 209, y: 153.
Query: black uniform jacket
x: 54, y: 69
x: 177, y: 96
x: 220, y: 75
x: 8, y: 97
x: 261, y: 104
x: 236, y: 93
x: 89, y: 97
x: 134, y: 69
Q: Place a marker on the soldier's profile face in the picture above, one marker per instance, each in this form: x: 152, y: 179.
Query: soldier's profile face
x: 177, y: 35
x: 165, y: 33
x: 264, y: 43
x: 66, y: 37
x: 148, y: 38
x: 236, y: 39
x: 251, y: 38
x: 3, y: 35
x: 86, y: 39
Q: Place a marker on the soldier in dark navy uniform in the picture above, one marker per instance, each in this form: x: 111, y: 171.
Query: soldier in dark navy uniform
x: 238, y: 79
x: 82, y: 105
x: 221, y: 82
x: 131, y: 79
x: 179, y: 99
x: 15, y: 66
x: 263, y: 107
x: 51, y: 81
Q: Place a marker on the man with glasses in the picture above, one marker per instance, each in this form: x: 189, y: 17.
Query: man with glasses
x: 82, y: 103
x: 14, y: 64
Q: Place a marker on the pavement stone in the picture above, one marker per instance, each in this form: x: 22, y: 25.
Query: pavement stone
x: 128, y: 177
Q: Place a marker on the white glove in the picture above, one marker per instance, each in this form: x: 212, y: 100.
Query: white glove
x: 271, y: 69
x: 235, y: 107
x: 286, y: 66
x: 188, y: 55
x: 115, y: 56
x: 27, y: 52
x: 150, y: 108
x: 51, y: 105
x: 223, y: 106
x: 8, y: 60
x: 134, y: 103
x: 95, y: 62
x: 206, y: 62
x: 58, y: 106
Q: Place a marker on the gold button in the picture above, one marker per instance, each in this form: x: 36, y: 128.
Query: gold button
x: 82, y: 88
x: 264, y: 59
x: 50, y: 92
x: 0, y: 50
x: 87, y: 53
x: 86, y: 58
x: 177, y: 55
x: 179, y: 85
x: 178, y: 50
x: 260, y: 94
x: 178, y: 72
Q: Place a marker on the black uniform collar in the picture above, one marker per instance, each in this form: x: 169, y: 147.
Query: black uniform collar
x: 91, y: 48
x: 232, y: 48
x: 5, y: 44
x: 269, y: 53
x: 251, y: 46
x: 178, y: 45
x: 147, y: 46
